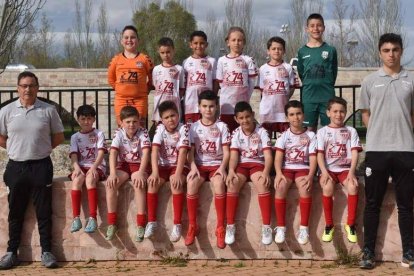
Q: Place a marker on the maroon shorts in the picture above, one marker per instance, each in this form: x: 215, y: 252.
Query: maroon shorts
x: 166, y: 172
x: 339, y: 177
x: 130, y: 168
x: 230, y: 121
x: 101, y: 175
x: 293, y: 174
x: 247, y: 169
x: 191, y: 118
x: 207, y: 172
x: 275, y: 127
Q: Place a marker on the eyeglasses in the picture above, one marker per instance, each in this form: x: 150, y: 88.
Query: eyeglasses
x: 30, y: 86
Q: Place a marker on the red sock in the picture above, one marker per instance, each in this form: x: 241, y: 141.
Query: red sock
x: 152, y: 202
x: 92, y: 202
x: 178, y: 201
x: 305, y: 204
x: 327, y: 203
x: 112, y: 218
x: 232, y: 199
x: 76, y: 198
x: 265, y: 207
x: 192, y: 204
x: 220, y: 202
x: 352, y: 208
x: 280, y: 207
x: 141, y: 220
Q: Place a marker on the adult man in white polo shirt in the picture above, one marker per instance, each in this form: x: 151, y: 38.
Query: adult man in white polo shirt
x: 29, y: 130
x: 387, y: 104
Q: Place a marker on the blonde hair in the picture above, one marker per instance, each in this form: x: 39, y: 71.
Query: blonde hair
x: 233, y: 30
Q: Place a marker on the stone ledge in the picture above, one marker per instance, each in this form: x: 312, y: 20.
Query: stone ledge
x: 82, y: 246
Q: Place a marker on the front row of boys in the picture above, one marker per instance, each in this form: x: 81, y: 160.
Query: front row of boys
x: 201, y: 152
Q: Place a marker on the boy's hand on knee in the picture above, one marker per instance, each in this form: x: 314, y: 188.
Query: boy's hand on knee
x: 76, y: 172
x: 351, y: 179
x: 231, y: 178
x: 112, y: 181
x: 307, y: 182
x: 264, y: 179
x: 153, y: 180
x: 325, y: 177
x: 222, y: 172
x: 93, y: 171
x: 279, y: 180
x: 175, y: 181
x: 193, y: 174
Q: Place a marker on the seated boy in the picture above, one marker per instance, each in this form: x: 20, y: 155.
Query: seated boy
x: 295, y: 161
x: 250, y: 158
x: 128, y: 158
x: 87, y: 149
x: 209, y: 157
x: 338, y: 147
x: 168, y: 158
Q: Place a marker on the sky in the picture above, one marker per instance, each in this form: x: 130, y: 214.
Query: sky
x: 269, y: 13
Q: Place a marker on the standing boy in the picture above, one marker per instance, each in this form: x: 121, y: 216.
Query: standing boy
x: 209, y: 156
x: 128, y: 158
x: 317, y: 68
x: 250, y: 158
x: 338, y: 147
x: 387, y: 104
x: 200, y: 73
x: 168, y: 158
x: 277, y: 83
x: 87, y: 149
x: 168, y: 78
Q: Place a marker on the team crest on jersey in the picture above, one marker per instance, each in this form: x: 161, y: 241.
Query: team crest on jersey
x: 344, y: 133
x: 214, y: 132
x: 325, y: 54
x: 92, y: 138
x: 139, y: 64
x: 241, y: 64
x: 205, y: 64
x: 304, y: 140
x: 255, y: 139
x: 282, y: 72
x: 173, y: 73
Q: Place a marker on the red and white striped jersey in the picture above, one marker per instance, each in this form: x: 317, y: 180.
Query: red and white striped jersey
x: 167, y: 82
x: 200, y: 74
x: 275, y: 83
x: 296, y: 148
x: 237, y: 78
x: 130, y: 150
x: 337, y: 144
x: 86, y: 146
x: 170, y: 143
x: 251, y: 147
x: 208, y: 142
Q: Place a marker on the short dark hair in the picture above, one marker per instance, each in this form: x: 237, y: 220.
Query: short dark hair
x: 337, y: 100
x: 315, y: 16
x: 167, y: 105
x: 128, y: 111
x: 166, y: 41
x: 207, y: 95
x: 27, y: 74
x: 276, y: 39
x: 86, y: 110
x: 198, y: 33
x: 241, y: 107
x: 294, y: 104
x: 390, y: 38
x: 130, y: 27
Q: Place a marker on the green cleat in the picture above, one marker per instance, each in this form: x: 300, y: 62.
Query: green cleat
x: 351, y: 233
x: 139, y: 234
x: 110, y: 232
x: 328, y: 234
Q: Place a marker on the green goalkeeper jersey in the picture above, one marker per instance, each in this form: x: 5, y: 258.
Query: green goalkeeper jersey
x: 317, y: 68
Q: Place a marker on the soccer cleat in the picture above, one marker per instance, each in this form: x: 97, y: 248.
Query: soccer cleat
x: 192, y: 232
x: 351, y: 233
x: 9, y: 260
x: 139, y: 233
x: 110, y: 232
x: 175, y: 233
x: 76, y: 225
x: 280, y: 234
x: 220, y: 234
x: 303, y: 235
x: 266, y: 234
x: 230, y: 233
x: 367, y: 260
x: 328, y: 233
x: 48, y: 260
x: 150, y: 229
x: 91, y: 225
x: 408, y: 259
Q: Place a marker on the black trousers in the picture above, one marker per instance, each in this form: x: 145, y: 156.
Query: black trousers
x: 25, y: 180
x: 379, y: 166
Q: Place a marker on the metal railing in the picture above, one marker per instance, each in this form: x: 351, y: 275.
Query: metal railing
x: 67, y: 100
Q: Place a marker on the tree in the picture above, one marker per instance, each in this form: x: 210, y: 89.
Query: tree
x: 154, y: 21
x: 16, y: 15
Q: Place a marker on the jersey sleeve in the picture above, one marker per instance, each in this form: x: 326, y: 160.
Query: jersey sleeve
x: 157, y: 140
x: 225, y: 135
x: 320, y: 146
x: 101, y: 144
x: 73, y: 145
x: 144, y: 138
x: 184, y: 141
x: 235, y: 145
x: 252, y: 67
x: 214, y: 66
x: 292, y: 77
x: 182, y: 78
x: 266, y: 142
x: 355, y: 143
x: 260, y: 79
x: 313, y: 145
x: 280, y: 142
x: 219, y: 70
x: 112, y: 72
x: 117, y: 140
